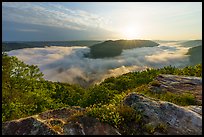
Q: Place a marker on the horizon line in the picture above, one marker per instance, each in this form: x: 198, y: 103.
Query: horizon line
x: 93, y: 40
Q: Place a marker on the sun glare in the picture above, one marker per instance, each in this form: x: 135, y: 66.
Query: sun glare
x: 130, y: 32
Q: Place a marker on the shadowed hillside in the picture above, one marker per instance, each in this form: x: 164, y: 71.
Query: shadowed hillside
x: 191, y: 43
x: 8, y: 46
x: 114, y: 48
x: 195, y: 55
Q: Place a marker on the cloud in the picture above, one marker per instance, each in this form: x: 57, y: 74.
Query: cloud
x: 28, y: 30
x: 67, y: 64
x: 53, y: 21
x: 50, y: 14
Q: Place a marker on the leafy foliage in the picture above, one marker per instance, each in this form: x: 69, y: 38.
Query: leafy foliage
x: 135, y: 79
x: 130, y: 80
x: 187, y: 71
x: 25, y: 92
x: 97, y: 94
x: 19, y: 94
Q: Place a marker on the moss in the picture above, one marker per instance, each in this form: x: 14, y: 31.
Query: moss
x: 74, y: 116
x: 155, y: 83
x: 55, y: 122
x: 56, y: 125
x: 161, y: 127
x: 150, y: 128
x: 58, y: 129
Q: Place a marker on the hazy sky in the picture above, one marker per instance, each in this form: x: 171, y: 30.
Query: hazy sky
x: 34, y: 21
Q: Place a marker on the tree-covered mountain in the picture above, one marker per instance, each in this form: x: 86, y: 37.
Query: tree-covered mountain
x: 165, y: 41
x: 112, y: 48
x: 8, y: 46
x: 195, y: 55
x: 191, y: 43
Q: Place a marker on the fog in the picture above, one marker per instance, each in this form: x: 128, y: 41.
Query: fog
x: 67, y: 64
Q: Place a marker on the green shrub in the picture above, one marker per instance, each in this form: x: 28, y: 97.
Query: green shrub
x: 97, y: 94
x: 115, y: 115
x: 106, y: 113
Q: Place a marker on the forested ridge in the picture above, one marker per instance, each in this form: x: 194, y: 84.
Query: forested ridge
x: 112, y: 48
x: 195, y: 54
x: 8, y: 46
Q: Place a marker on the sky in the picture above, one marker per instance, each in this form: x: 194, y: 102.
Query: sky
x: 60, y: 21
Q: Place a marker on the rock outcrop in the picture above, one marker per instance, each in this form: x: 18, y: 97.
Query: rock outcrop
x: 178, y: 120
x: 26, y: 126
x: 178, y: 84
x: 58, y: 122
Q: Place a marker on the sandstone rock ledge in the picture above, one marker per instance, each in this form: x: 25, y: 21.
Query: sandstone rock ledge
x: 179, y: 120
x: 58, y: 122
x: 178, y: 84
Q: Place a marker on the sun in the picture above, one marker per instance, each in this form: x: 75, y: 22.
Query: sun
x: 130, y: 32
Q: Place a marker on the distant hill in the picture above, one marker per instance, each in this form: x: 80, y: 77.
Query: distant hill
x: 191, y: 43
x: 195, y: 55
x: 8, y: 46
x: 164, y: 41
x: 112, y: 48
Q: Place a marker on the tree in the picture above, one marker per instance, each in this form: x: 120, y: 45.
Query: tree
x: 18, y: 79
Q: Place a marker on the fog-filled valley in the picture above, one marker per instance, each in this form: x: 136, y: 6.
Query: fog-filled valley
x: 71, y: 65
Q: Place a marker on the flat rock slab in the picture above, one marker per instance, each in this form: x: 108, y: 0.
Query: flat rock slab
x: 179, y: 84
x: 26, y: 126
x: 58, y: 122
